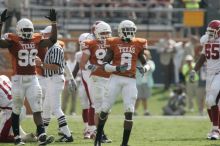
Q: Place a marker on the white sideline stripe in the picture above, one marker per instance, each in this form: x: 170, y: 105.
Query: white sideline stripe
x: 79, y: 117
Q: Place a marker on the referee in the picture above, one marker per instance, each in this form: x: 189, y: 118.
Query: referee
x: 53, y: 66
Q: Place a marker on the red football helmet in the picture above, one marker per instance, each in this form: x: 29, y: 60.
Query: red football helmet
x: 213, y: 29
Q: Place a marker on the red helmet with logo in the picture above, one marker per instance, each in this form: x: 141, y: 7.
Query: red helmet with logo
x: 213, y: 29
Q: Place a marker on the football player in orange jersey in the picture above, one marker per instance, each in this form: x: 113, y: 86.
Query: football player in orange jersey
x: 123, y: 52
x: 23, y: 47
x: 86, y: 100
x: 94, y: 51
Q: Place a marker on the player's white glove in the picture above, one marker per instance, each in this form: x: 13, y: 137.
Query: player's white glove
x: 72, y: 85
x: 143, y: 69
x: 122, y: 68
x: 192, y: 75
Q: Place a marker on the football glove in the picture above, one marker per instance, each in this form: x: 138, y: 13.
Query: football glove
x: 52, y: 15
x: 141, y: 70
x: 72, y: 85
x: 192, y: 75
x: 4, y: 16
x: 91, y: 67
x: 122, y: 68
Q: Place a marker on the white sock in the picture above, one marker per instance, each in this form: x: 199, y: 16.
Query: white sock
x: 65, y: 130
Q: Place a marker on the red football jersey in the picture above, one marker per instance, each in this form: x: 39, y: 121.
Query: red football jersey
x: 97, y: 53
x: 126, y: 53
x: 23, y: 53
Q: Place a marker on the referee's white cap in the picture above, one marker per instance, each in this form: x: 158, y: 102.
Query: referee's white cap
x: 46, y: 29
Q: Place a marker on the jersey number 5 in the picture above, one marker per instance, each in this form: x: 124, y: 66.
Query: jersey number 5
x: 27, y: 57
x: 212, y: 51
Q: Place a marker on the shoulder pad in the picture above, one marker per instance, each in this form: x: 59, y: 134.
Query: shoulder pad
x: 204, y: 39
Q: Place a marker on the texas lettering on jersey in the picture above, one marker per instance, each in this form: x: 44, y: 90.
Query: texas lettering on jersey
x: 23, y: 53
x: 126, y: 53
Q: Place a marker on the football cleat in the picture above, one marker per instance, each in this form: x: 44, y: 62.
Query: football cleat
x: 93, y: 134
x: 86, y: 135
x: 18, y: 142
x: 65, y: 138
x: 147, y: 114
x: 105, y: 139
x: 44, y: 140
x: 215, y: 135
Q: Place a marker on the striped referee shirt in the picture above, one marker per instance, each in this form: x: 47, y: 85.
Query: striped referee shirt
x: 54, y: 55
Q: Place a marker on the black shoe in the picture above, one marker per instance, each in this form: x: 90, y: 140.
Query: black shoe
x: 105, y: 139
x: 97, y: 143
x: 44, y: 140
x: 65, y: 138
x: 18, y: 142
x: 124, y: 145
x: 146, y: 114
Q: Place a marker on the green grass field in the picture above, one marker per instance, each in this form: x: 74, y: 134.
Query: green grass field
x: 155, y: 130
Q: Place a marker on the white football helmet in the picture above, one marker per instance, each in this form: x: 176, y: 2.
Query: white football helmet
x: 102, y: 31
x: 83, y: 37
x: 127, y: 29
x: 25, y: 28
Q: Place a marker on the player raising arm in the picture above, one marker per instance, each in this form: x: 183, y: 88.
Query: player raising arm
x: 23, y: 47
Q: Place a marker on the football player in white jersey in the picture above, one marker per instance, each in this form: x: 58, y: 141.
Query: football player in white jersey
x: 85, y: 99
x: 211, y: 55
x: 6, y: 133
